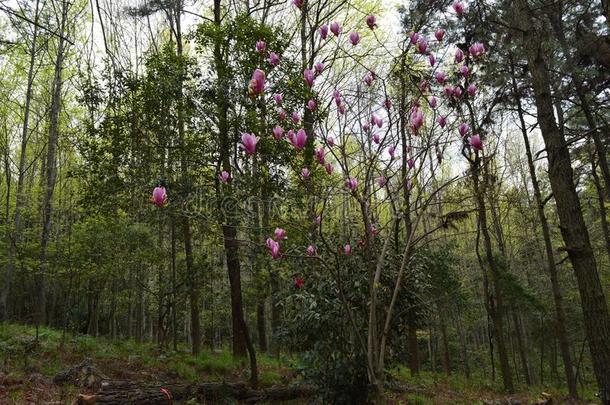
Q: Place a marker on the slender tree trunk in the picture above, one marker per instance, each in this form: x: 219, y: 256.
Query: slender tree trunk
x: 572, y: 224
x: 521, y: 348
x: 446, y: 355
x: 560, y: 328
x: 13, y: 241
x: 413, y: 348
x: 51, y: 171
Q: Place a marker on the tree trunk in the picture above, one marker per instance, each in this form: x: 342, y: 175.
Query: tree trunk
x: 560, y: 328
x: 13, y: 241
x: 413, y: 348
x: 521, y: 348
x: 572, y: 224
x: 51, y: 171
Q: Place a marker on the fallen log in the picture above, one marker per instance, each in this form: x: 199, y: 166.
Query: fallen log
x: 136, y: 393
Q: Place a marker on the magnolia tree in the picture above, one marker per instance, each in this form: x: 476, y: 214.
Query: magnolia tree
x: 382, y: 135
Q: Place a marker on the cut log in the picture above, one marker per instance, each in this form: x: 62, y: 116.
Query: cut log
x: 136, y: 393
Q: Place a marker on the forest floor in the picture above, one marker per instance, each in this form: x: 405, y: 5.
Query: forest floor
x: 27, y: 369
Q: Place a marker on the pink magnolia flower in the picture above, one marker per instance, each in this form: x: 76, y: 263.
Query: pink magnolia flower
x: 330, y: 141
x: 442, y: 121
x: 305, y: 173
x: 477, y: 49
x: 320, y: 155
x: 366, y: 127
x: 392, y: 151
x: 374, y: 230
x: 261, y: 46
x: 281, y: 114
x: 411, y: 163
x: 347, y: 249
x: 431, y: 59
x: 248, y: 142
x: 352, y: 183
x: 299, y: 140
x: 319, y: 67
x: 280, y: 234
x: 440, y: 76
x: 464, y: 71
x: 371, y: 22
x: 354, y: 38
x: 274, y: 59
x: 422, y: 45
x: 311, y: 104
x: 463, y: 129
x: 337, y: 97
x: 439, y: 34
x: 414, y: 36
x: 324, y: 31
x: 382, y: 181
x: 459, y: 55
x: 376, y: 138
x: 309, y: 76
x: 475, y: 142
x: 257, y: 83
x: 298, y: 3
x: 296, y: 117
x: 329, y: 168
x: 278, y: 132
x: 159, y: 196
x: 375, y: 119
x: 424, y: 85
x: 387, y: 103
x: 368, y: 79
x: 311, y: 250
x: 318, y: 220
x: 458, y: 7
x: 274, y: 248
x: 277, y: 98
x: 433, y: 102
x: 224, y: 177
x: 335, y: 28
x: 457, y: 92
x: 417, y: 119
x: 341, y: 109
x: 472, y: 90
x: 448, y: 91
x: 409, y: 185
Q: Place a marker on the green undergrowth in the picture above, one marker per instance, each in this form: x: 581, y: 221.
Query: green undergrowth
x: 21, y: 354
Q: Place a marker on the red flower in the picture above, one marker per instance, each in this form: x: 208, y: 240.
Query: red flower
x: 299, y: 282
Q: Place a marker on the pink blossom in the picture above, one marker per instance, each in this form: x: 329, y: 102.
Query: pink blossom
x: 422, y: 45
x: 311, y: 104
x: 352, y: 183
x: 457, y: 92
x: 477, y: 49
x: 458, y: 7
x: 475, y: 142
x: 440, y: 76
x: 277, y: 98
x: 442, y: 121
x: 411, y: 163
x: 375, y: 119
x: 459, y: 55
x: 329, y: 168
x: 324, y: 31
x: 347, y: 249
x: 311, y: 250
x: 318, y: 220
x: 387, y: 103
x: 298, y: 3
x: 224, y: 177
x: 281, y: 114
x: 472, y: 90
x: 376, y: 139
x: 341, y: 109
x: 382, y: 181
x: 366, y: 127
x: 296, y: 117
x: 439, y: 34
x: 257, y: 83
x: 417, y: 118
x: 431, y: 59
x: 319, y: 67
x: 392, y: 151
x: 330, y: 141
x: 280, y: 234
x: 278, y: 132
x: 299, y: 140
x: 464, y: 71
x: 159, y: 196
x: 424, y: 85
x: 337, y: 97
x: 274, y: 59
x: 248, y: 143
x: 414, y: 36
x: 448, y: 91
x: 335, y: 28
x: 320, y: 155
x: 463, y: 129
x: 309, y: 77
x: 368, y: 79
x: 274, y: 248
x: 261, y: 46
x: 305, y: 173
x: 433, y: 102
x: 354, y: 38
x: 371, y: 22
